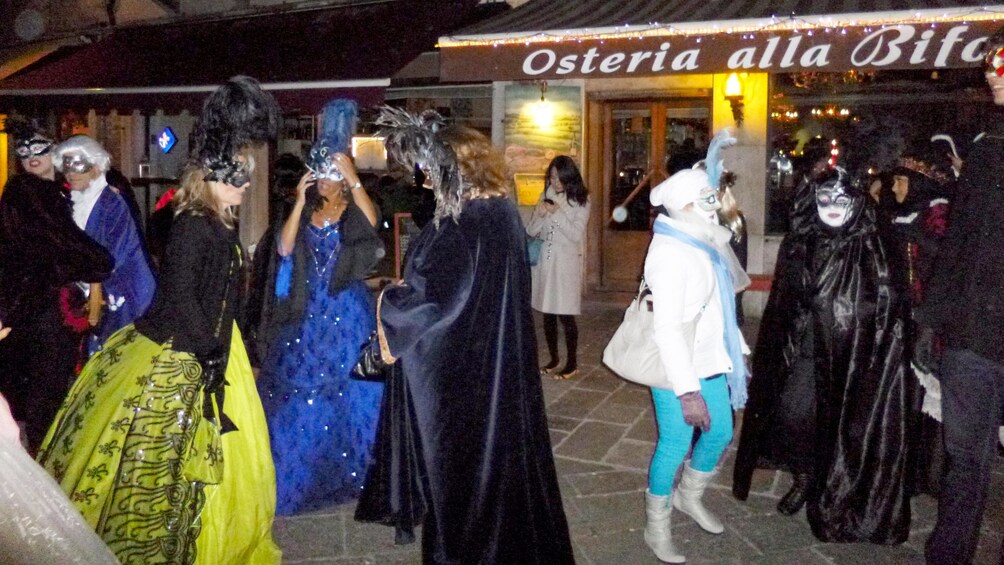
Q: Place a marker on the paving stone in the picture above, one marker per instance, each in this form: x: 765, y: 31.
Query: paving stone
x: 600, y: 379
x: 645, y: 429
x: 310, y: 537
x: 924, y: 512
x: 557, y: 436
x: 567, y: 466
x: 615, y: 413
x: 364, y: 538
x: 632, y: 395
x: 774, y: 532
x: 604, y: 513
x: 562, y: 423
x: 701, y: 547
x: 576, y: 403
x: 727, y: 508
x: 805, y: 556
x: 989, y: 548
x: 553, y: 390
x: 632, y: 454
x: 333, y: 561
x: 616, y: 547
x: 868, y: 554
x: 591, y: 441
x: 609, y: 482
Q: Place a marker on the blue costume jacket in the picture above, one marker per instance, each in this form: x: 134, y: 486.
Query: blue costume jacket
x: 129, y: 289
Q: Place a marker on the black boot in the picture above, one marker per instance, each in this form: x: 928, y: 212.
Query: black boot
x: 795, y: 499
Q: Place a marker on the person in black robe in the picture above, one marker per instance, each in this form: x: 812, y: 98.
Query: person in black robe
x: 41, y: 250
x: 916, y: 218
x: 831, y: 400
x: 463, y: 433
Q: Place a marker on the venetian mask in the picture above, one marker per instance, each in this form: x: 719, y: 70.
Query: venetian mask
x: 34, y: 147
x: 234, y: 172
x: 76, y: 163
x: 833, y: 203
x: 708, y: 204
x: 321, y: 162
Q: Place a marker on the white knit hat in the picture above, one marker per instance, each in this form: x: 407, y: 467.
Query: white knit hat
x: 680, y: 189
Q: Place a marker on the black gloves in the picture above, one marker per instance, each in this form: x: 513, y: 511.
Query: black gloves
x: 214, y: 370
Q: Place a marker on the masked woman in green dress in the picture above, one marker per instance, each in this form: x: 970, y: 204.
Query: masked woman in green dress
x: 162, y: 443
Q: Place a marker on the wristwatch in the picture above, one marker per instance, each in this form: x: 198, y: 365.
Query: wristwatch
x: 357, y: 185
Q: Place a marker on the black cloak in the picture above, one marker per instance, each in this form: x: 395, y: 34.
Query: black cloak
x: 463, y: 416
x: 41, y: 250
x: 834, y: 305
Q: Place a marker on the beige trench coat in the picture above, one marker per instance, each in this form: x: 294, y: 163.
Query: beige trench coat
x: 557, y: 277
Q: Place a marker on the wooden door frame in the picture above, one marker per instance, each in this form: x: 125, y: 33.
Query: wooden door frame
x: 599, y: 159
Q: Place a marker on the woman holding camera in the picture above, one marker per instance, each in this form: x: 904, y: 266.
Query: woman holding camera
x: 560, y: 221
x: 315, y: 321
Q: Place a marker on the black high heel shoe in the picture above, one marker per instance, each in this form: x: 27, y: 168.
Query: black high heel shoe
x: 794, y: 500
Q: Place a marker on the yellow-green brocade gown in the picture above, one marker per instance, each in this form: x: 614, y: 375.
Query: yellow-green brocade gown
x: 155, y: 479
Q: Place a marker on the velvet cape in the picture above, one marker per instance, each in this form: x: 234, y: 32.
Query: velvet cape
x: 41, y: 250
x: 463, y: 418
x: 836, y: 285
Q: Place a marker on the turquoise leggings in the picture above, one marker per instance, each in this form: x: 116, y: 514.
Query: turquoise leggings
x: 675, y: 435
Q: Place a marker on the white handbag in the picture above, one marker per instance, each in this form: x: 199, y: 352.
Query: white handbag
x: 632, y: 353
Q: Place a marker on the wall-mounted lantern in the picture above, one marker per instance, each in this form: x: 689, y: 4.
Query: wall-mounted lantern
x: 734, y: 94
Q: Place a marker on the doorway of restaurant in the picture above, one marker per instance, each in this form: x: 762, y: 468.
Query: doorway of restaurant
x: 640, y: 141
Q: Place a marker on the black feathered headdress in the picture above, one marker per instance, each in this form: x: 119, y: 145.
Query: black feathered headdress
x: 29, y: 141
x: 411, y: 140
x: 236, y: 115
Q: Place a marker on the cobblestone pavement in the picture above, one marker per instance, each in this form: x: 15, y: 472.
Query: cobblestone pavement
x: 603, y: 433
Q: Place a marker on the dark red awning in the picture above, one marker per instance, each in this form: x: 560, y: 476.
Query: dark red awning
x: 304, y: 57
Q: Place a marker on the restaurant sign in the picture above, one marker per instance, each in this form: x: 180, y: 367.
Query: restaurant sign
x: 903, y: 46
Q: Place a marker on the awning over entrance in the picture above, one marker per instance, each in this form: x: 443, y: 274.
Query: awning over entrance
x: 305, y: 57
x: 548, y: 39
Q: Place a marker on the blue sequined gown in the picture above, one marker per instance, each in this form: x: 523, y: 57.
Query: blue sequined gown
x: 321, y: 422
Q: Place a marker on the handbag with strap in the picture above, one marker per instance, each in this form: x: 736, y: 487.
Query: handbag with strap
x: 533, y: 246
x: 632, y: 352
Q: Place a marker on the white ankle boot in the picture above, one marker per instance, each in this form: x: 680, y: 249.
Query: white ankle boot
x: 657, y: 529
x: 687, y: 499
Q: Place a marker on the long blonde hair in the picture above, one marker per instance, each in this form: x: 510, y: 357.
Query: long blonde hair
x: 196, y: 196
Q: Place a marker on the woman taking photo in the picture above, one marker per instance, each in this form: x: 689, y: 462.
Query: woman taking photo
x: 560, y: 221
x: 164, y: 465
x: 316, y: 320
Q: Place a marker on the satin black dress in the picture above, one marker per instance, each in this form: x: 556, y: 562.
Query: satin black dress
x: 836, y: 322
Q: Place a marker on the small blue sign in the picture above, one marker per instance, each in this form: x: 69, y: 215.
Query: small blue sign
x: 166, y: 140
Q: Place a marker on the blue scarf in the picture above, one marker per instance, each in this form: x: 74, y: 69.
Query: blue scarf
x: 726, y: 292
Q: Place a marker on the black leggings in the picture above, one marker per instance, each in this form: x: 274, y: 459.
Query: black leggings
x: 571, y: 339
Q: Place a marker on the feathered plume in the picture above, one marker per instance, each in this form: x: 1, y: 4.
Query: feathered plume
x: 713, y: 162
x: 236, y: 115
x: 337, y: 125
x: 22, y: 129
x: 411, y: 140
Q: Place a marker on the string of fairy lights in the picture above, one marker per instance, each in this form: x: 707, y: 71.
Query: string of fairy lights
x: 747, y: 30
